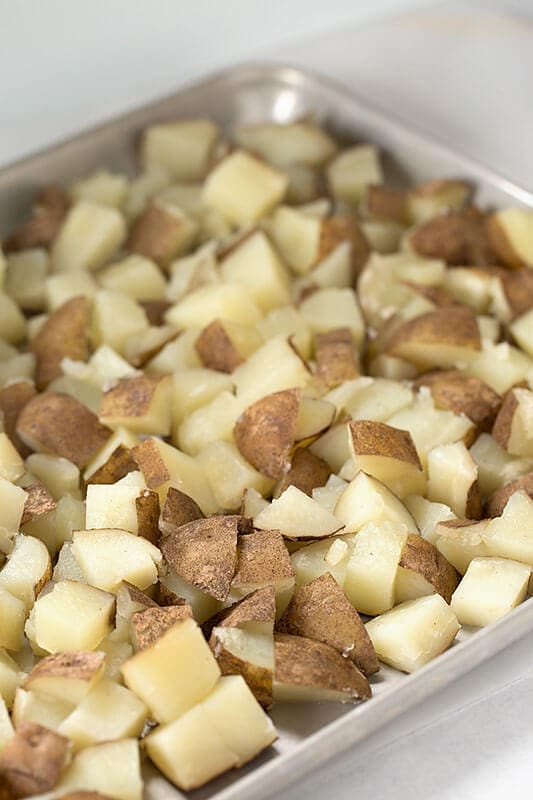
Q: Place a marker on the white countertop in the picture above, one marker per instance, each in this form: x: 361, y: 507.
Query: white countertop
x: 461, y: 70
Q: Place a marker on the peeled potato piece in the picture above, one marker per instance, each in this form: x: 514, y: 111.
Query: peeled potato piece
x: 490, y: 588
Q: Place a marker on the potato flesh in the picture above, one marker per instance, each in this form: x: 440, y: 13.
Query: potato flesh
x: 511, y: 535
x: 366, y: 500
x: 109, y: 556
x: 13, y: 615
x: 452, y: 475
x: 230, y: 475
x: 6, y: 726
x: 371, y: 570
x: 297, y: 515
x: 110, y: 768
x: 26, y: 570
x: 490, y: 588
x: 45, y: 709
x: 12, y: 499
x: 311, y: 561
x: 268, y: 282
x: 174, y: 674
x: 89, y: 236
x: 413, y: 633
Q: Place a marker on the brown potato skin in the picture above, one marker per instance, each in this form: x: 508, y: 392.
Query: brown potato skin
x: 259, y: 679
x: 148, y: 459
x: 178, y: 509
x: 258, y: 606
x: 518, y: 289
x: 344, y: 228
x: 39, y: 503
x: 155, y: 310
x: 65, y: 334
x: 150, y: 624
x: 147, y: 507
x: 204, y: 553
x: 451, y: 325
x: 370, y: 438
x: 166, y: 597
x: 265, y: 431
x: 79, y: 665
x: 386, y: 204
x: 62, y: 426
x: 501, y: 245
x: 130, y: 397
x: 32, y: 760
x: 454, y: 391
x: 458, y: 237
x: 136, y: 595
x: 419, y: 555
x: 119, y: 463
x: 262, y: 559
x: 48, y: 213
x: 216, y: 349
x: 83, y: 795
x: 154, y: 234
x: 13, y: 398
x: 320, y: 611
x: 307, y: 472
x: 498, y: 499
x: 306, y: 662
x: 501, y: 430
x: 336, y: 361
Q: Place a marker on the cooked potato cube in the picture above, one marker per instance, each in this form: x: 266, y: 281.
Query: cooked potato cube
x: 423, y: 570
x: 32, y: 760
x: 39, y: 707
x: 108, y: 556
x: 59, y: 475
x: 63, y: 335
x: 40, y: 230
x: 136, y: 276
x: 10, y: 677
x: 352, y: 171
x: 511, y: 535
x: 272, y: 368
x: 224, y: 345
x: 65, y: 286
x: 88, y: 237
x: 491, y: 588
x: 499, y: 498
x: 101, y: 187
x: 13, y: 616
x: 413, y: 633
x: 458, y: 237
x: 116, y: 317
x: 107, y: 712
x: 11, y: 464
x: 429, y: 199
x: 243, y: 189
x: 452, y: 480
x: 173, y: 674
x: 288, y: 144
x: 230, y: 475
x: 162, y: 232
x: 263, y: 560
x: 511, y: 235
x: 12, y: 501
x: 12, y: 321
x: 181, y: 148
x: 365, y: 500
x: 193, y: 388
x: 13, y: 398
x: 328, y: 309
x: 114, y: 460
x: 25, y: 278
x: 495, y: 466
x: 112, y: 769
x: 287, y: 321
x: 210, y: 423
x: 371, y: 572
x: 501, y: 366
x: 140, y: 404
x: 463, y: 394
x: 268, y: 281
x: 311, y: 671
x: 71, y: 616
x: 336, y: 358
x: 66, y: 676
x: 27, y: 570
x: 306, y: 473
x: 460, y: 541
x: 240, y: 651
x: 229, y: 301
x: 513, y: 428
x: 522, y: 331
x: 328, y: 555
x: 297, y: 236
x: 296, y: 516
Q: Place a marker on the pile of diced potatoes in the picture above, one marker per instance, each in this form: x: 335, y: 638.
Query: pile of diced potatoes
x: 267, y: 422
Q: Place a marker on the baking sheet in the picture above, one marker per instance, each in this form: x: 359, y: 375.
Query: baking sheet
x: 310, y: 734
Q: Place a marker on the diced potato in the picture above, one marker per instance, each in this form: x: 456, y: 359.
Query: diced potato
x: 107, y: 712
x: 297, y: 236
x: 460, y: 541
x: 243, y: 189
x: 141, y: 404
x: 109, y: 556
x: 88, y: 238
x: 60, y: 288
x: 511, y: 235
x: 228, y: 301
x: 267, y: 282
x: 513, y: 427
x: 136, y: 276
x: 11, y: 464
x: 452, y: 480
x: 12, y: 500
x: 116, y: 317
x: 45, y: 709
x: 224, y: 345
x: 6, y: 726
x: 210, y: 423
x: 500, y: 365
x: 190, y: 272
x: 59, y: 475
x: 367, y: 500
x: 112, y: 769
x: 181, y: 148
x: 27, y: 569
x: 173, y: 674
x: 328, y: 309
x: 413, y: 633
x: 287, y: 321
x: 230, y: 475
x: 72, y: 616
x: 25, y: 278
x: 326, y: 555
x: 287, y: 144
x: 102, y: 187
x: 162, y: 232
x: 272, y: 368
x: 10, y: 677
x: 522, y: 330
x: 13, y: 616
x: 193, y: 388
x: 12, y: 321
x: 511, y: 535
x: 371, y: 570
x: 427, y: 515
x: 297, y: 516
x: 352, y: 171
x: 491, y: 588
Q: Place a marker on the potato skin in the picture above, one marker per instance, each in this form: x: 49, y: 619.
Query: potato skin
x: 379, y: 439
x: 320, y: 611
x: 13, y: 398
x: 458, y: 237
x: 501, y: 430
x: 262, y: 558
x: 178, y: 509
x: 204, y: 552
x: 63, y: 426
x: 32, y: 760
x: 119, y: 463
x: 39, y: 503
x: 259, y: 679
x: 344, y: 228
x: 150, y: 624
x: 419, y: 555
x: 305, y: 662
x: 130, y: 397
x: 385, y: 203
x: 216, y: 350
x: 265, y: 431
x: 154, y: 234
x: 147, y: 507
x: 498, y: 499
x: 79, y: 665
x: 307, y: 472
x: 451, y: 325
x: 65, y: 334
x: 454, y: 391
x: 49, y: 210
x: 335, y: 358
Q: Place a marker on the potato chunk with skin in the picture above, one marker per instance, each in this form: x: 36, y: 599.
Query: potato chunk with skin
x: 239, y: 651
x: 111, y: 769
x: 65, y: 334
x: 490, y: 588
x: 175, y: 673
x: 108, y: 556
x: 263, y: 560
x: 371, y: 571
x: 272, y: 368
x: 72, y: 615
x: 265, y: 432
x: 224, y: 345
x: 181, y: 148
x: 204, y: 553
x: 60, y: 424
x: 335, y: 357
x: 413, y: 633
x: 352, y: 171
x: 268, y: 283
x: 243, y: 189
x: 307, y: 472
x: 287, y: 144
x: 230, y: 475
x: 461, y: 540
x: 453, y: 480
x: 328, y: 309
x: 423, y: 570
x: 511, y: 535
x: 499, y: 498
x: 67, y: 676
x: 141, y: 404
x: 88, y: 237
x: 463, y: 394
x: 32, y: 761
x: 27, y: 570
x: 510, y: 233
x: 297, y: 516
x: 513, y: 428
x: 388, y: 454
x: 365, y: 500
x: 13, y: 398
x: 311, y: 671
x: 162, y: 232
x: 321, y: 611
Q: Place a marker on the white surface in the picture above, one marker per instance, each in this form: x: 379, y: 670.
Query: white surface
x: 462, y: 71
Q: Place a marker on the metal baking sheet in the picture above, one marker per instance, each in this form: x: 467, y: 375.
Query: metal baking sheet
x: 310, y: 735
